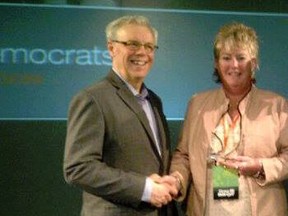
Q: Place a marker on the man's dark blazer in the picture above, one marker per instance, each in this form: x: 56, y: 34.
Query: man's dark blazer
x: 110, y: 149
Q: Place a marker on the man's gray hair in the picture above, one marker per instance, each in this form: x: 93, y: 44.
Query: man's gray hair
x: 113, y: 27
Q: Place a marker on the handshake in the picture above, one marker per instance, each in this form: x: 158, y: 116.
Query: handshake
x: 164, y: 188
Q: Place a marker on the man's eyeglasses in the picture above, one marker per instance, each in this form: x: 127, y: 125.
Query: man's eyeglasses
x: 136, y: 45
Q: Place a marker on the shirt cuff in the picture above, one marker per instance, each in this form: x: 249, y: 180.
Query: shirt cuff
x: 146, y: 196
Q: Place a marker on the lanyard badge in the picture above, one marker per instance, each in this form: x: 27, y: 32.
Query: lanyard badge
x: 225, y: 183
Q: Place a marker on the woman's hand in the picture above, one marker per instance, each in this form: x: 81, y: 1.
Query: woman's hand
x: 245, y: 165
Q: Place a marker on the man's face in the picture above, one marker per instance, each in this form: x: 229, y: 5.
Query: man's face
x: 132, y: 62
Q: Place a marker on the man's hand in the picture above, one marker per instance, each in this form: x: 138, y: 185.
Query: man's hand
x: 174, y: 181
x: 163, y: 190
x: 160, y: 194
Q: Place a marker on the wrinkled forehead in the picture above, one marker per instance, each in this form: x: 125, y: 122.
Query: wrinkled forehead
x: 133, y: 31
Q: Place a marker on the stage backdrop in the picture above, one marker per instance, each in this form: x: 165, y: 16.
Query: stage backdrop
x: 49, y: 53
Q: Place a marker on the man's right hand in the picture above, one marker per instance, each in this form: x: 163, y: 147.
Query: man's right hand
x: 162, y: 192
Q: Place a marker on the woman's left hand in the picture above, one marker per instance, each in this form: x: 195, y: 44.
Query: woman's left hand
x: 245, y: 165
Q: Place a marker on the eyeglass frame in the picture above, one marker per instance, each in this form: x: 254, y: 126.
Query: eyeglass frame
x: 136, y: 45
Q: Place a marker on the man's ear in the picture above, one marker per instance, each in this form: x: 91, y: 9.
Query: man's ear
x: 111, y: 49
x: 216, y: 65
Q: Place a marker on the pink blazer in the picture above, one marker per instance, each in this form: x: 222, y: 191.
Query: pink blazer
x: 264, y: 135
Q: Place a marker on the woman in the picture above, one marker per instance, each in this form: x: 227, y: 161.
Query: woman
x: 232, y: 155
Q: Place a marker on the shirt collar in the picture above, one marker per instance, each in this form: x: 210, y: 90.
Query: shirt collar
x: 143, y: 93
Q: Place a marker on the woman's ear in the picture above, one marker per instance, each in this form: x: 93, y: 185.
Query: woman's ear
x: 254, y: 64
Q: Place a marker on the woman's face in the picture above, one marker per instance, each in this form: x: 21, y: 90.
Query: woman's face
x: 235, y: 68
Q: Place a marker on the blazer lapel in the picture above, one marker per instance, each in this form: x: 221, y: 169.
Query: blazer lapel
x: 159, y: 122
x: 128, y: 98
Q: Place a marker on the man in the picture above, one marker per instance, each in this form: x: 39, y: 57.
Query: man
x: 117, y: 144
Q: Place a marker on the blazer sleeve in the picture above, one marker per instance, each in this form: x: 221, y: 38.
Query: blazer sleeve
x: 276, y: 168
x: 83, y: 164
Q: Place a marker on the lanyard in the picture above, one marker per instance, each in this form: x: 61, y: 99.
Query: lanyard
x: 228, y: 128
